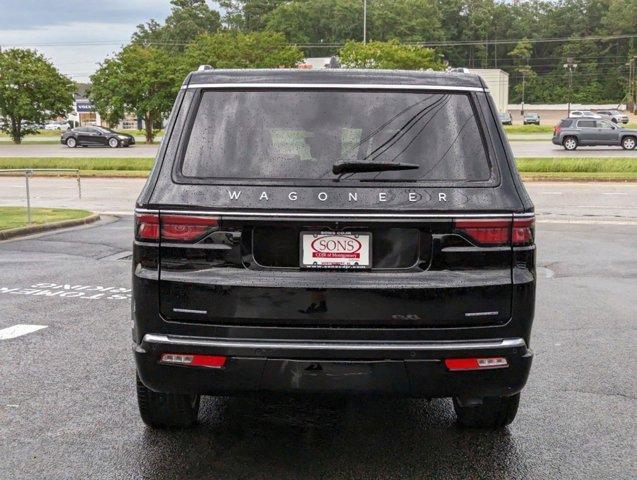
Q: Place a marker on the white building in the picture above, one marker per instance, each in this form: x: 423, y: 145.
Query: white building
x: 498, y: 82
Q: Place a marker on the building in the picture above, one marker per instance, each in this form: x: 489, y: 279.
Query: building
x: 498, y: 82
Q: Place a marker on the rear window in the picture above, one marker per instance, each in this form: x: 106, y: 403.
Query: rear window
x: 566, y: 123
x: 301, y: 134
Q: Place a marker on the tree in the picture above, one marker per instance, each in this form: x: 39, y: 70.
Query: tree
x: 389, y: 55
x: 187, y: 20
x: 142, y: 80
x: 242, y: 50
x: 247, y: 15
x: 31, y: 91
x: 521, y: 55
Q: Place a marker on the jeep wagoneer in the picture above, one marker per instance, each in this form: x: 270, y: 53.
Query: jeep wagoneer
x: 333, y: 231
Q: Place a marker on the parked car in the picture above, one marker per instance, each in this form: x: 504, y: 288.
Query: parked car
x: 324, y: 252
x: 96, y: 137
x: 583, y: 113
x: 531, y: 119
x: 56, y: 126
x: 571, y: 133
x: 614, y: 116
x: 505, y: 118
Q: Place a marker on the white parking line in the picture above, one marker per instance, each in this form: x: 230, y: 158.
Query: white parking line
x: 19, y: 330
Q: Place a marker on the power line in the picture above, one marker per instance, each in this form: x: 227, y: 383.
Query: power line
x: 340, y: 44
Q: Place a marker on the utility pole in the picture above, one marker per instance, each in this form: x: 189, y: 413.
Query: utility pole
x: 523, y: 77
x: 632, y: 82
x: 570, y: 66
x: 364, y: 21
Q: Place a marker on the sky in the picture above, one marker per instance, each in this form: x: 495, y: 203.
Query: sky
x: 55, y: 27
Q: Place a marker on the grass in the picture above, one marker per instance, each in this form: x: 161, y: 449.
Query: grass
x: 576, y: 167
x: 578, y: 164
x: 16, y: 217
x: 580, y: 176
x: 83, y: 163
x: 528, y: 128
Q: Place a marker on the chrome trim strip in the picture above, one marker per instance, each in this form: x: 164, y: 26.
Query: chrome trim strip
x: 344, y: 346
x: 480, y: 314
x: 337, y: 86
x: 388, y: 216
x: 188, y: 310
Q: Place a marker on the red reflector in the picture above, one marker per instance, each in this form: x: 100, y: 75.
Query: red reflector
x: 210, y: 361
x: 456, y: 364
x: 147, y: 226
x: 186, y: 228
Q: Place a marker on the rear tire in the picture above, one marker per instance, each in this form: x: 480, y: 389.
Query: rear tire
x: 71, y: 142
x: 628, y: 143
x: 569, y: 143
x: 495, y: 412
x: 166, y: 410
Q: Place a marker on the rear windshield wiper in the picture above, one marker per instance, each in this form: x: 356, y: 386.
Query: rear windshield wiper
x: 356, y: 167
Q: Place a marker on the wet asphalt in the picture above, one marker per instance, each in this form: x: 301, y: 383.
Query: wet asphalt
x: 68, y: 407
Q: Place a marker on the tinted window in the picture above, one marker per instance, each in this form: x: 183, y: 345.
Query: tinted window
x: 565, y: 123
x: 285, y: 134
x: 586, y: 124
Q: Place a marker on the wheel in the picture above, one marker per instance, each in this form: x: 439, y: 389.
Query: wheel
x: 494, y: 412
x: 113, y: 142
x: 628, y: 143
x: 570, y: 143
x: 165, y: 410
x: 71, y: 142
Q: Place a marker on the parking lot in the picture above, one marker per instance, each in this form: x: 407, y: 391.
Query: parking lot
x: 67, y: 398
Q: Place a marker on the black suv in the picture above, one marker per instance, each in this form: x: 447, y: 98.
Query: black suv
x: 333, y: 231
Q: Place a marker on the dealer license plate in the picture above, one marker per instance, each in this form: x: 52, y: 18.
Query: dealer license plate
x: 336, y: 249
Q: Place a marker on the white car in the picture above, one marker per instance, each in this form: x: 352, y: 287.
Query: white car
x: 56, y: 126
x: 583, y: 113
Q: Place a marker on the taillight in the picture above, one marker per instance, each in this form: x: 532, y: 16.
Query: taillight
x: 557, y: 130
x: 172, y: 228
x: 522, y: 233
x: 488, y: 363
x: 485, y: 232
x: 186, y: 228
x: 147, y: 226
x: 489, y: 232
x: 193, y: 360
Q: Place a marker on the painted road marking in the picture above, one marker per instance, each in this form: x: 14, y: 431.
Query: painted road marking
x: 69, y: 290
x: 19, y: 330
x: 614, y: 193
x: 551, y: 193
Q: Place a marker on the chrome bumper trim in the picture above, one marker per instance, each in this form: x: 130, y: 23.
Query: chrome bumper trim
x: 343, y: 346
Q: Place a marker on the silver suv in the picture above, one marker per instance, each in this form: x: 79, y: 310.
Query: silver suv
x: 573, y: 132
x: 614, y: 116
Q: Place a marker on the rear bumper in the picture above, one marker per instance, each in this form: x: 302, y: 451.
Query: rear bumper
x: 402, y: 368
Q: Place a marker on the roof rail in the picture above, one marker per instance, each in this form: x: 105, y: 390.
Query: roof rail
x: 203, y: 68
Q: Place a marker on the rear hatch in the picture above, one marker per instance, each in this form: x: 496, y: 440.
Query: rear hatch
x: 259, y: 230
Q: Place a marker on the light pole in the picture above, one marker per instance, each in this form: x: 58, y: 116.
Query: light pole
x: 364, y: 21
x: 570, y: 66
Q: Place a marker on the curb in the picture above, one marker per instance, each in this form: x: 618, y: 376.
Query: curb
x: 30, y: 230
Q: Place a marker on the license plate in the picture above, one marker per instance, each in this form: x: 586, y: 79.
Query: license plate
x: 336, y: 249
